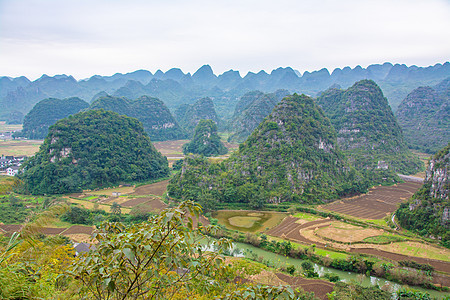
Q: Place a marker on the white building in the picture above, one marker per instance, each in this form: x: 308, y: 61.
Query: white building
x: 12, y: 171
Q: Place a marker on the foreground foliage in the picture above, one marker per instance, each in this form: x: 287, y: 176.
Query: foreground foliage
x: 92, y: 149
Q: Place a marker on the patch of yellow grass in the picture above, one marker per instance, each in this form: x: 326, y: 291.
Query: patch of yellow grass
x: 413, y: 248
x: 243, y: 221
x: 79, y: 237
x: 347, y: 233
x: 90, y: 205
x: 19, y: 147
x: 108, y: 192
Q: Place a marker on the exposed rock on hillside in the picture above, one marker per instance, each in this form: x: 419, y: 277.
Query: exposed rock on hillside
x: 158, y: 122
x: 90, y: 150
x: 367, y: 130
x: 292, y: 155
x: 250, y: 111
x: 428, y: 211
x: 424, y: 116
x: 205, y: 141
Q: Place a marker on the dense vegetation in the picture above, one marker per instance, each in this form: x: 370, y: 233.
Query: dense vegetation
x: 428, y: 211
x: 292, y: 155
x: 46, y: 112
x: 91, y: 150
x: 156, y: 118
x: 206, y: 141
x: 251, y: 109
x: 189, y: 116
x: 424, y: 116
x: 367, y: 130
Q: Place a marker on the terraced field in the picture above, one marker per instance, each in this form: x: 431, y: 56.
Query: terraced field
x: 377, y: 203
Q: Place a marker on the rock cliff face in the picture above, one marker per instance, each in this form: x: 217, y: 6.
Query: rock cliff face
x: 250, y: 111
x: 424, y: 116
x: 158, y: 122
x: 367, y: 130
x: 428, y: 210
x: 437, y: 174
x: 188, y: 116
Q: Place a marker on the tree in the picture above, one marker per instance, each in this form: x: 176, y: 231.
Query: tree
x: 116, y: 209
x: 162, y: 259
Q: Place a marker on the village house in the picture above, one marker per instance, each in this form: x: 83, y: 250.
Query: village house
x: 12, y: 171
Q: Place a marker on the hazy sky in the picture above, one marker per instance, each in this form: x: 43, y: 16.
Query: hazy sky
x: 87, y: 37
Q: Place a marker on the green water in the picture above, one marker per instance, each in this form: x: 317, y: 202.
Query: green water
x: 280, y: 260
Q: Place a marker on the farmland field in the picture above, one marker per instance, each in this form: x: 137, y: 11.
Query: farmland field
x: 9, y: 127
x: 19, y: 147
x: 377, y: 203
x: 248, y: 221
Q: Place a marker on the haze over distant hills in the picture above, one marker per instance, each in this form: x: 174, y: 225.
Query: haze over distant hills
x: 174, y: 87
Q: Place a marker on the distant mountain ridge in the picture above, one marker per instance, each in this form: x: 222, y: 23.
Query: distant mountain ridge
x: 175, y: 87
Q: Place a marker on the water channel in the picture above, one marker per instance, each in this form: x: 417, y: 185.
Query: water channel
x: 241, y: 249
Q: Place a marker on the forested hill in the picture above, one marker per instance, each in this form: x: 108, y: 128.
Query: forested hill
x: 92, y: 149
x: 206, y: 141
x: 251, y: 109
x: 156, y: 118
x: 189, y: 115
x: 367, y: 130
x: 424, y: 116
x: 291, y: 155
x: 46, y: 112
x: 428, y: 211
x: 175, y: 87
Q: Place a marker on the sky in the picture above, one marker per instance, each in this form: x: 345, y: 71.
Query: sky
x: 87, y: 37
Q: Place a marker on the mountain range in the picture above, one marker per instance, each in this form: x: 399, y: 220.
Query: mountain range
x: 175, y: 87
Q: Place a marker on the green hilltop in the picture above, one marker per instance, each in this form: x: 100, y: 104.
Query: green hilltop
x: 92, y: 149
x: 46, y: 112
x: 292, y: 155
x: 367, y: 130
x: 424, y: 116
x: 189, y: 115
x: 156, y: 118
x: 206, y: 141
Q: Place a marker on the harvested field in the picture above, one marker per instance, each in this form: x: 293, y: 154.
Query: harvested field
x: 172, y: 148
x: 79, y: 238
x: 346, y: 233
x: 150, y: 205
x: 377, y: 203
x: 443, y: 266
x: 19, y: 147
x: 91, y: 205
x: 320, y: 288
x: 108, y: 192
x: 78, y: 229
x: 157, y: 189
x: 136, y: 201
x: 9, y: 228
x: 51, y: 231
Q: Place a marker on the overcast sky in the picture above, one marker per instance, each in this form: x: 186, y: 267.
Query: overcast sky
x: 87, y: 37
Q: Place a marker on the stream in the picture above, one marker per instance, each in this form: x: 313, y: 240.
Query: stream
x: 241, y: 249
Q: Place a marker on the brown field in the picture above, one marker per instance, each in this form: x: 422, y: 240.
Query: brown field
x: 108, y: 192
x: 19, y: 147
x: 319, y: 287
x: 379, y: 202
x: 157, y: 189
x: 79, y: 229
x: 9, y: 127
x: 90, y: 205
x: 346, y: 233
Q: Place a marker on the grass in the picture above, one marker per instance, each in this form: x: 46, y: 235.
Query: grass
x: 418, y: 249
x: 383, y: 239
x: 9, y: 127
x: 90, y: 205
x: 109, y: 191
x: 247, y: 220
x: 19, y: 147
x: 243, y: 221
x: 306, y: 216
x: 379, y: 222
x: 6, y: 184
